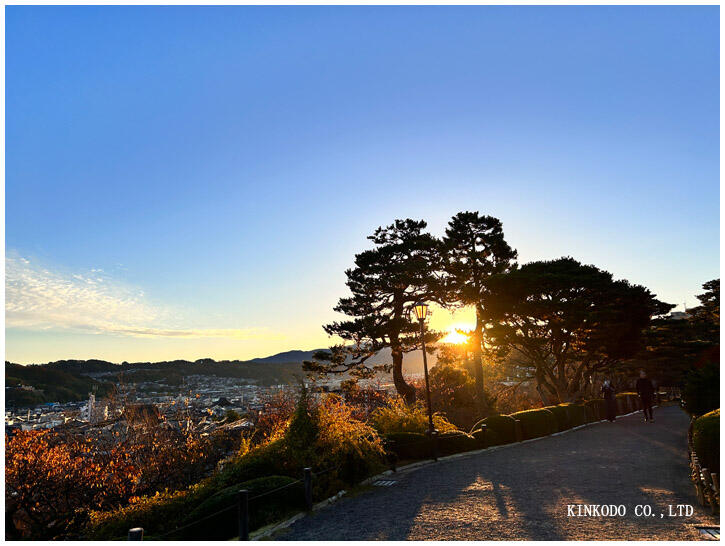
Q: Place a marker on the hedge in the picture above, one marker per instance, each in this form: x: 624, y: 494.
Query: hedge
x: 503, y: 426
x: 456, y: 442
x: 596, y: 409
x: 577, y: 413
x: 706, y: 437
x: 536, y: 422
x: 561, y: 415
x: 274, y: 506
x: 408, y: 445
x: 628, y: 402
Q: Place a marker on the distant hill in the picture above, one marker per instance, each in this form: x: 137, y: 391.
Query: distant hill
x: 50, y: 383
x: 72, y: 380
x: 289, y: 356
x: 412, y: 363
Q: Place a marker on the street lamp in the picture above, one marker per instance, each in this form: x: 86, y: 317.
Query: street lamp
x: 421, y: 312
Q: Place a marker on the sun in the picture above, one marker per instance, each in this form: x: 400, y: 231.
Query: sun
x: 456, y: 335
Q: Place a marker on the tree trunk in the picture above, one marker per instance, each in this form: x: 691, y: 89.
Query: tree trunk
x: 406, y: 391
x: 478, y: 362
x: 544, y: 397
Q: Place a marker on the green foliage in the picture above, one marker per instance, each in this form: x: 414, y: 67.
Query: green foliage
x: 274, y: 506
x: 503, y: 426
x: 397, y: 416
x: 706, y: 316
x: 475, y: 249
x: 164, y: 512
x: 536, y: 422
x: 701, y: 393
x: 303, y: 428
x: 265, y: 460
x: 561, y: 416
x: 412, y: 445
x: 456, y: 442
x: 485, y: 439
x: 155, y: 514
x: 453, y: 393
x: 676, y: 348
x: 706, y: 437
x: 408, y: 445
x: 596, y: 409
x: 51, y: 384
x: 324, y: 437
x: 577, y: 414
x: 575, y: 312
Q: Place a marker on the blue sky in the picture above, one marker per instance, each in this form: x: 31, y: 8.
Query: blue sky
x: 184, y: 182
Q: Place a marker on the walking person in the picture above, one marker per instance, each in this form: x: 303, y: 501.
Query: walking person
x: 646, y: 391
x: 610, y: 400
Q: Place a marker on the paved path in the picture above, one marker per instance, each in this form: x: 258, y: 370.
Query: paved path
x: 522, y: 491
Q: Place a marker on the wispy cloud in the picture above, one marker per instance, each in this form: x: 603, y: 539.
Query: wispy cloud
x: 37, y: 298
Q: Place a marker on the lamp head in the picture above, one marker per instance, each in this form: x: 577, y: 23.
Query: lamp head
x: 421, y: 310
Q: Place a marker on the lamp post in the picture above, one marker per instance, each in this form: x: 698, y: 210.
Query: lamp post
x: 421, y: 312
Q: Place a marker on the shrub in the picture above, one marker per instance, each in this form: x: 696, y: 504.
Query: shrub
x: 408, y: 445
x: 157, y: 514
x: 456, y: 442
x: 561, y: 415
x: 577, y: 413
x: 265, y: 460
x: 701, y: 393
x: 352, y: 446
x: 54, y: 478
x: 412, y: 445
x: 397, y: 416
x: 536, y: 422
x: 706, y: 437
x: 283, y: 496
x: 486, y: 439
x: 324, y: 437
x: 453, y: 392
x: 628, y: 402
x: 503, y: 426
x: 596, y: 409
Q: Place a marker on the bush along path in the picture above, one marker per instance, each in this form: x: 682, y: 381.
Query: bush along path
x: 541, y: 490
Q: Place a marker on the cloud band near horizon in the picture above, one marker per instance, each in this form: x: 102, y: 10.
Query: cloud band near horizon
x: 37, y: 298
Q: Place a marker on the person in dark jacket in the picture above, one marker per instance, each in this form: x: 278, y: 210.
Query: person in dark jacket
x: 646, y: 392
x: 610, y: 400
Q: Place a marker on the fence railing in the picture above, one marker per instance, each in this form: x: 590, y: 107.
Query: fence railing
x: 242, y: 506
x: 243, y: 499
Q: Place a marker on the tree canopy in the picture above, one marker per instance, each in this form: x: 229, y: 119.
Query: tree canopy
x: 474, y: 249
x: 568, y: 321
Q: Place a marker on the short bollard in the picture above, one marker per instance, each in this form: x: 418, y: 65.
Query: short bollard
x: 135, y: 534
x: 308, y: 488
x: 482, y: 440
x: 434, y: 444
x: 243, y: 515
x: 518, y: 430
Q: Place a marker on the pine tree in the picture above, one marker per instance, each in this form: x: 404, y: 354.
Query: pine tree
x: 387, y: 280
x: 475, y: 249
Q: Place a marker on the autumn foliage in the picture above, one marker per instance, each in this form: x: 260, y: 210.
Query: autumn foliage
x: 53, y: 479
